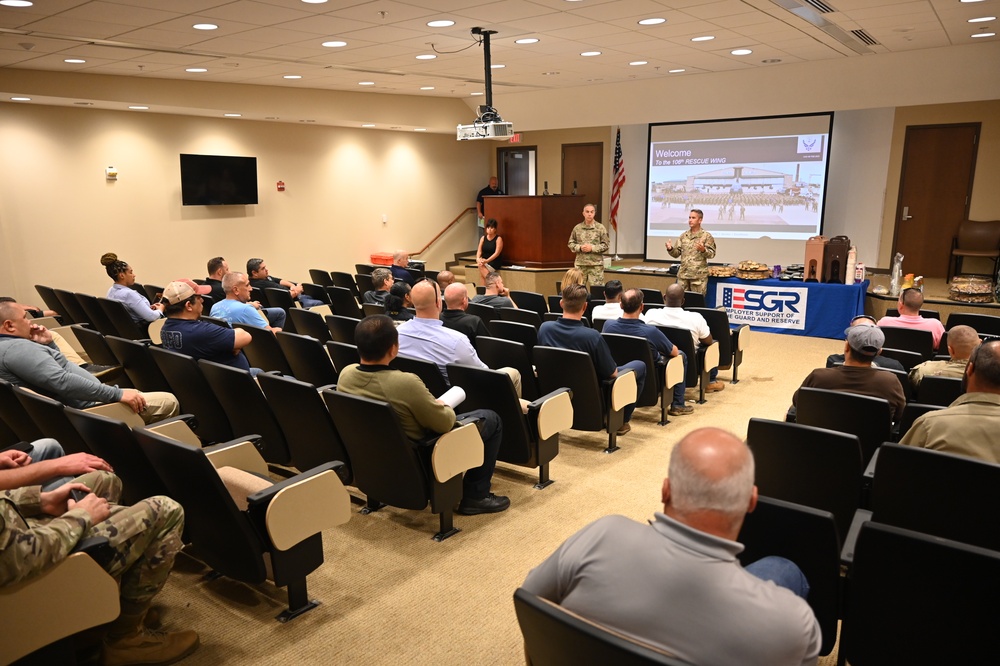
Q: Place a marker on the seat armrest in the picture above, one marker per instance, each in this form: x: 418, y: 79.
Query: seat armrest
x: 710, y: 355
x: 739, y: 336
x: 552, y: 413
x: 306, y: 504
x: 869, y: 473
x: 180, y: 428
x: 673, y: 373
x: 240, y: 453
x: 861, y: 516
x: 624, y: 390
x: 118, y: 411
x: 456, y: 451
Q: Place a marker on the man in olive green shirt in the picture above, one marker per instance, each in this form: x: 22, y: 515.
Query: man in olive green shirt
x: 961, y: 341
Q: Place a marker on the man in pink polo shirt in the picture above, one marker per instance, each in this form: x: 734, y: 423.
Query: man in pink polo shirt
x: 910, y: 302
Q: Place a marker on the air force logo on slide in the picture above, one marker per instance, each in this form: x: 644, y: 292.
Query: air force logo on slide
x: 777, y: 307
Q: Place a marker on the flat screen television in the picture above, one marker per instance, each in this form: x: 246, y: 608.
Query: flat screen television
x: 218, y: 180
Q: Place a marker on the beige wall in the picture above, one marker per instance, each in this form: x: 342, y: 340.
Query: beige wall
x: 58, y: 213
x: 985, y: 203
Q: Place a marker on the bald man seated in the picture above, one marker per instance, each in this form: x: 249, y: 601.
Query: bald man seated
x: 455, y: 317
x: 961, y: 341
x: 675, y: 582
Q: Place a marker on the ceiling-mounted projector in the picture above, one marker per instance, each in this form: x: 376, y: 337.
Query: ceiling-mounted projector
x: 489, y: 124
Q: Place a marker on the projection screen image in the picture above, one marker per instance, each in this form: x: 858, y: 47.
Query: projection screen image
x: 760, y: 182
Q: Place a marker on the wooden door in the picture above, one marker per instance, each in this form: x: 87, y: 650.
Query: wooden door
x: 584, y: 163
x: 517, y: 168
x: 935, y: 188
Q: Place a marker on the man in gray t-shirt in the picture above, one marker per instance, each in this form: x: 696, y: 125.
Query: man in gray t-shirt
x: 676, y: 583
x: 497, y: 295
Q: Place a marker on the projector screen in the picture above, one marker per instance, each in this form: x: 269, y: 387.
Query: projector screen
x: 761, y: 183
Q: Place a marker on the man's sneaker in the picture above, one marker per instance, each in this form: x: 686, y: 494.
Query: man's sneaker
x: 715, y: 386
x: 489, y: 504
x: 683, y: 410
x: 149, y: 647
x: 624, y: 429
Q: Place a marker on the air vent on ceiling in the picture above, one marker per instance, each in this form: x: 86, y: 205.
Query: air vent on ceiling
x: 819, y: 6
x: 812, y: 11
x: 864, y: 37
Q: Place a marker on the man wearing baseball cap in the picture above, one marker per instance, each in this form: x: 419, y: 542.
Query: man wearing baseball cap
x: 184, y: 332
x: 857, y: 374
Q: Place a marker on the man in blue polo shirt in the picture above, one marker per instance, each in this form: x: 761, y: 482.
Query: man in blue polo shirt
x: 568, y: 332
x: 184, y: 332
x: 237, y: 307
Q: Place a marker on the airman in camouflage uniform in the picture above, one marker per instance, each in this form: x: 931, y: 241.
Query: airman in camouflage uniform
x: 39, y: 529
x: 695, y: 247
x: 589, y: 241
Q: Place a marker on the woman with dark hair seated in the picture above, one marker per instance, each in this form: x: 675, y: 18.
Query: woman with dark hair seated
x: 397, y: 301
x: 138, y: 305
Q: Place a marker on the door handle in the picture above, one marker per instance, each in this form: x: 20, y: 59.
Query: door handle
x: 906, y: 215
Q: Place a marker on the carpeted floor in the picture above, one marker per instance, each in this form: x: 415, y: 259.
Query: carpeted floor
x: 390, y: 594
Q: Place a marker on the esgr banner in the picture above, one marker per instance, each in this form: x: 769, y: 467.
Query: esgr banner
x: 776, y: 307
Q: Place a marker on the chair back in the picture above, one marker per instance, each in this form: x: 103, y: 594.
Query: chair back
x: 122, y: 320
x: 978, y: 236
x: 867, y: 417
x: 916, y: 599
x: 264, y: 352
x: 114, y: 441
x: 71, y: 307
x: 320, y: 277
x: 345, y: 281
x: 428, y: 372
x: 904, y: 381
x: 387, y: 466
x: 279, y: 298
x: 363, y: 282
x: 484, y: 312
x: 529, y: 300
x: 499, y: 353
x: 911, y: 412
x: 907, y: 359
x: 554, y: 305
x: 681, y: 338
x: 556, y: 637
x: 983, y: 324
x: 943, y: 494
x: 95, y: 345
x: 526, y: 334
x: 625, y: 348
x: 50, y: 417
x: 309, y: 431
x: 341, y: 328
x: 247, y: 409
x: 310, y: 323
x: 364, y: 269
x: 52, y: 302
x: 191, y: 389
x: 718, y: 326
x: 342, y: 354
x: 529, y: 317
x: 138, y: 364
x: 96, y: 315
x: 13, y: 414
x: 808, y: 537
x: 909, y: 339
x: 315, y: 291
x: 574, y: 369
x: 492, y: 389
x: 694, y: 299
x: 224, y: 537
x: 941, y: 391
x: 651, y: 296
x: 308, y: 359
x: 371, y: 309
x: 343, y: 303
x: 807, y: 465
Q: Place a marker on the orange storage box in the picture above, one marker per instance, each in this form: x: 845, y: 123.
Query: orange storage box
x: 382, y: 258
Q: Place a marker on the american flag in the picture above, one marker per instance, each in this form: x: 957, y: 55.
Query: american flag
x: 732, y: 297
x: 618, y: 180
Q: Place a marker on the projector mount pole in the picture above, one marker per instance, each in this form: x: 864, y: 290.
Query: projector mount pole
x: 489, y: 114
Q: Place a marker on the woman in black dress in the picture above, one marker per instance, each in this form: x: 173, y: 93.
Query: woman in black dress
x: 490, y: 251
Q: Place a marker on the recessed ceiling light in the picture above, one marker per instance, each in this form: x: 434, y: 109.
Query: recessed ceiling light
x: 271, y: 118
x: 366, y: 83
x: 336, y: 43
x: 314, y: 2
x: 770, y: 61
x: 292, y: 76
x: 427, y: 87
x: 741, y: 52
x: 233, y: 115
x: 307, y: 120
x: 426, y: 56
x: 475, y: 94
x: 20, y: 99
x: 419, y: 129
x: 16, y: 3
x: 984, y: 34
x: 704, y: 38
x: 440, y: 23
x: 590, y: 54
x: 549, y: 73
x: 75, y: 61
x: 139, y: 108
x: 205, y: 26
x: 368, y: 125
x: 675, y: 71
x: 652, y: 21
x: 526, y: 40
x: 636, y: 63
x: 497, y: 66
x: 84, y: 103
x: 983, y: 19
x: 959, y: 1
x: 195, y: 70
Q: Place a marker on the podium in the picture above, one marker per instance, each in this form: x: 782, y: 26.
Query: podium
x: 535, y: 229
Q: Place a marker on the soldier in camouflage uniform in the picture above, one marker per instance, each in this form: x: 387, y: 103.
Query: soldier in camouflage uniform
x: 39, y: 529
x: 589, y: 241
x: 695, y: 247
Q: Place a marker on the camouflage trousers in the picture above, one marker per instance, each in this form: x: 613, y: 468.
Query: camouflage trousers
x: 144, y: 537
x: 699, y: 284
x: 593, y: 275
